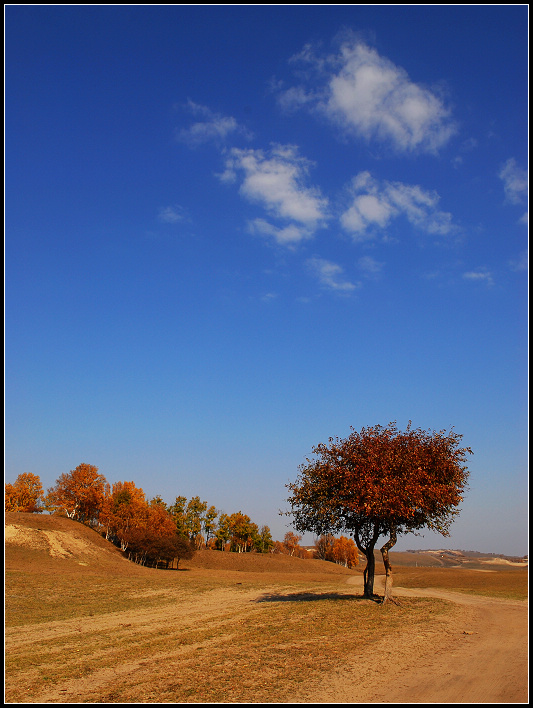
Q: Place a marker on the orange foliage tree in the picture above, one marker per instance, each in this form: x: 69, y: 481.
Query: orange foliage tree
x: 344, y: 552
x: 381, y: 482
x: 337, y: 550
x: 124, y: 508
x: 291, y: 543
x: 154, y: 537
x: 25, y: 494
x: 79, y: 494
x: 159, y: 520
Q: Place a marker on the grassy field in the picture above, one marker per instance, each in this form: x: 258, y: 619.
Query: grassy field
x: 87, y: 626
x: 505, y: 583
x: 197, y: 647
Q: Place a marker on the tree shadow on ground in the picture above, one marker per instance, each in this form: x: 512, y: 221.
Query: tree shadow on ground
x: 308, y: 597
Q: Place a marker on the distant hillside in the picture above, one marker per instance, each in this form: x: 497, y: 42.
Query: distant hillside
x: 264, y: 563
x: 49, y: 544
x: 455, y: 558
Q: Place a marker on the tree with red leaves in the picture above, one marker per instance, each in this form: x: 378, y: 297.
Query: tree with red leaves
x: 381, y: 482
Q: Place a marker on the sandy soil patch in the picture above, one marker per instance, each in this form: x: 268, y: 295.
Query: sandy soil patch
x: 59, y: 544
x: 504, y: 561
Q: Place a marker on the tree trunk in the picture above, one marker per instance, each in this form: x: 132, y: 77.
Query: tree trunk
x: 368, y: 574
x: 388, y: 568
x: 366, y: 542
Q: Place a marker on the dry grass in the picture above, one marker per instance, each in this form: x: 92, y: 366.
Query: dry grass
x: 87, y: 626
x: 506, y: 582
x: 269, y: 654
x: 261, y: 650
x: 36, y: 598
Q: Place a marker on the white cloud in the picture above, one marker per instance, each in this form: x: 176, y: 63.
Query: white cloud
x: 330, y: 275
x: 374, y: 205
x: 366, y: 210
x: 294, y: 98
x: 481, y: 275
x: 370, y: 97
x: 214, y: 128
x: 370, y: 265
x: 276, y: 180
x: 286, y: 236
x: 420, y: 207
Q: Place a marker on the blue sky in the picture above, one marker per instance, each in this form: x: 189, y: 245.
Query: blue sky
x: 233, y: 232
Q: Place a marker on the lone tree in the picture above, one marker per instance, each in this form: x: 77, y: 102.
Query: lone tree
x: 381, y: 482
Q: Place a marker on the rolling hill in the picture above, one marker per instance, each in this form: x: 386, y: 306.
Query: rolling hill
x: 44, y: 543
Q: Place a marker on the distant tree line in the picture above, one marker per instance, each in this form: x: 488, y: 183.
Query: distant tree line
x: 148, y: 531
x: 154, y: 533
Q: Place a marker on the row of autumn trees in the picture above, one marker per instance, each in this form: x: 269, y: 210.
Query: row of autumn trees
x: 342, y: 551
x: 151, y: 531
x: 145, y: 529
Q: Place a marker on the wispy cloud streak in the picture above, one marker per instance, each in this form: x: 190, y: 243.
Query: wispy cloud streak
x: 330, y: 275
x: 481, y: 275
x: 515, y: 184
x: 213, y: 128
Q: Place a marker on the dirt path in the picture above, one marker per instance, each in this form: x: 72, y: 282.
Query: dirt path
x: 482, y: 658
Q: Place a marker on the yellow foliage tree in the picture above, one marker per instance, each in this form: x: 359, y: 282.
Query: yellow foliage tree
x: 344, y: 552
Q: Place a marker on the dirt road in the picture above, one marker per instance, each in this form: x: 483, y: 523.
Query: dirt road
x: 481, y: 658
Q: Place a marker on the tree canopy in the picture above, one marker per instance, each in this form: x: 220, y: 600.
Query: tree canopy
x: 79, y: 494
x: 26, y: 494
x: 381, y: 482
